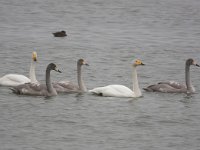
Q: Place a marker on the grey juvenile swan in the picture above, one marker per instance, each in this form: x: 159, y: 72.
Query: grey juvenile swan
x: 38, y: 89
x: 175, y: 87
x: 67, y: 86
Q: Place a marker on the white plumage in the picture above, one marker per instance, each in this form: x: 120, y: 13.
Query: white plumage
x: 121, y: 90
x: 17, y: 79
x: 113, y: 91
x: 13, y: 80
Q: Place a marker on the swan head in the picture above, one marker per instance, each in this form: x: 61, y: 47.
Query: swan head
x: 138, y: 62
x: 52, y: 66
x: 34, y: 56
x: 82, y: 62
x: 191, y: 61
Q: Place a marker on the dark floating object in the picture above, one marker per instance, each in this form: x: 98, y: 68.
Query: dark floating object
x: 60, y: 34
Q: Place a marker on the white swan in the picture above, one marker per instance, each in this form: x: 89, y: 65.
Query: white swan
x: 69, y: 87
x: 38, y: 89
x: 173, y: 86
x: 120, y: 90
x: 17, y: 79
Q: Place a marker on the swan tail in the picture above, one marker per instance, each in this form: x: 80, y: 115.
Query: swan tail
x: 149, y: 88
x: 15, y: 90
x: 96, y: 91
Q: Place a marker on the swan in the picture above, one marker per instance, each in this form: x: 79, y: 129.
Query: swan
x: 67, y: 86
x: 38, y: 89
x: 173, y: 86
x: 121, y: 90
x: 17, y: 79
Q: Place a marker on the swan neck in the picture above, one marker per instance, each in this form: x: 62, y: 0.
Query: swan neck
x: 187, y: 78
x: 50, y: 88
x: 32, y: 72
x: 81, y: 84
x: 136, y: 88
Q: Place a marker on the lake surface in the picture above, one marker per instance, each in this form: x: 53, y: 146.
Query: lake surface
x: 109, y: 35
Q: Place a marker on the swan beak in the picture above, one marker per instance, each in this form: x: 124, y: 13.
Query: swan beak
x: 197, y: 65
x: 138, y: 62
x: 57, y: 70
x: 85, y: 63
x: 142, y: 64
x: 35, y: 59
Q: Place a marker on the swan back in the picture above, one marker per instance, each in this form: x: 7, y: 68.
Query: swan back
x: 65, y: 87
x: 113, y: 91
x: 13, y: 80
x: 31, y: 89
x: 167, y: 87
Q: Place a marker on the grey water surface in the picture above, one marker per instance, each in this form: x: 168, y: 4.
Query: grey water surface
x: 109, y: 34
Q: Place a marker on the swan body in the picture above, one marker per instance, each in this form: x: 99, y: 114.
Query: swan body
x: 38, y: 89
x: 167, y: 87
x: 13, y: 80
x: 121, y: 90
x: 66, y: 87
x: 113, y: 91
x: 69, y: 87
x: 173, y: 86
x: 17, y: 79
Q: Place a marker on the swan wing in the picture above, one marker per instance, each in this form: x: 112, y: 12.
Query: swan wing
x: 65, y: 86
x: 174, y: 84
x: 113, y: 91
x: 13, y: 80
x: 166, y: 87
x: 31, y: 89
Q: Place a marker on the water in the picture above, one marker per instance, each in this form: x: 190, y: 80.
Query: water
x: 109, y: 35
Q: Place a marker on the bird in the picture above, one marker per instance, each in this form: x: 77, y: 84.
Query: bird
x: 60, y: 34
x: 17, y: 79
x: 69, y: 87
x: 121, y: 90
x: 38, y: 89
x: 173, y: 86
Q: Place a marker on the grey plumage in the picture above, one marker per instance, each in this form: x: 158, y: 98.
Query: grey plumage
x: 36, y: 88
x: 175, y: 87
x: 69, y: 87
